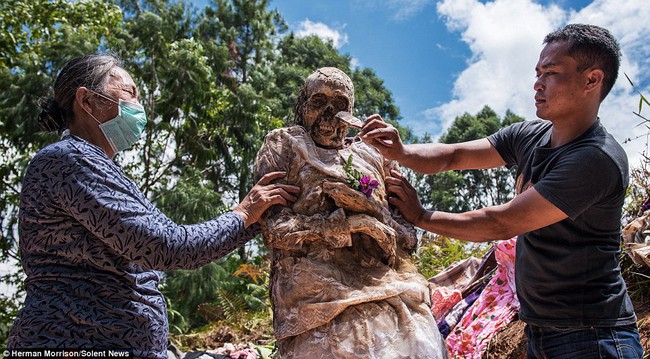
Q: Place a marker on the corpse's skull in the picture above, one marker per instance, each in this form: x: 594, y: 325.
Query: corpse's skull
x: 326, y: 92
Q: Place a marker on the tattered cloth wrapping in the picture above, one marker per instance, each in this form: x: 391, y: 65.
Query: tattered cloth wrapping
x: 495, y: 307
x: 450, y: 286
x: 343, y: 284
x: 636, y: 238
x: 449, y: 321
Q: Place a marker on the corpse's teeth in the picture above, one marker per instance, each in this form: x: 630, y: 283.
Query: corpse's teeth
x: 349, y: 119
x: 326, y: 128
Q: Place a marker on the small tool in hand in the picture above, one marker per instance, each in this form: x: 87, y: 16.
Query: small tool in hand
x: 357, y: 123
x: 349, y: 119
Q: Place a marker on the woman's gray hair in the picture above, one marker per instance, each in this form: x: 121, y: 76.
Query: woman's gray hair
x: 90, y: 71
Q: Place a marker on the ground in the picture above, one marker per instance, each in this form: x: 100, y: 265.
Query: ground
x: 510, y: 343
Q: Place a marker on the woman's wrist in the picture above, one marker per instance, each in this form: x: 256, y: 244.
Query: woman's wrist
x: 244, y: 216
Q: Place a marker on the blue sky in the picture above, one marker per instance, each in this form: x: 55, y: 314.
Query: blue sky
x: 443, y: 58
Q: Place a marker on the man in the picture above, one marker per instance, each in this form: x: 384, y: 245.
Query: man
x: 571, y: 181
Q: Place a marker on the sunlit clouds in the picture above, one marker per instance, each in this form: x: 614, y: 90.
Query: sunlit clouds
x: 505, y: 38
x: 307, y: 27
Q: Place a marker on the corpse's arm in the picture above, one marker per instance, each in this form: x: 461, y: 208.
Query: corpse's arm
x: 288, y: 229
x: 377, y: 219
x: 284, y: 228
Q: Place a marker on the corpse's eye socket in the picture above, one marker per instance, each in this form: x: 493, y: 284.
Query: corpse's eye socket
x: 317, y: 100
x: 340, y: 103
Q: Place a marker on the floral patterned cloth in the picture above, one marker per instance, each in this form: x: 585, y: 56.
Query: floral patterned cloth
x: 449, y: 321
x: 448, y: 286
x: 443, y: 300
x: 492, y: 311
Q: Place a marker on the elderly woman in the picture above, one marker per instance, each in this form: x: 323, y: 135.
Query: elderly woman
x: 343, y: 284
x: 90, y: 241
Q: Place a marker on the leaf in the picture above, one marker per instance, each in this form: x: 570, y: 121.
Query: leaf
x: 248, y: 270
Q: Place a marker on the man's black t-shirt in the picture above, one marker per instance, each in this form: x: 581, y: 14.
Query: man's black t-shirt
x: 567, y: 274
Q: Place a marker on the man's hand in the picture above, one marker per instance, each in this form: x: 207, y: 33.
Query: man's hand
x: 383, y: 136
x: 264, y: 195
x: 404, y: 197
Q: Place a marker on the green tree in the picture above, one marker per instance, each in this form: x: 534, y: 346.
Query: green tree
x: 300, y: 56
x: 459, y: 191
x: 200, y: 77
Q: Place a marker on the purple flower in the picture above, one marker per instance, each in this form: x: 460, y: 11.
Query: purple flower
x: 366, y: 185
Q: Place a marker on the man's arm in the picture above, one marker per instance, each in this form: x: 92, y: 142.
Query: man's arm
x: 526, y: 212
x: 430, y: 157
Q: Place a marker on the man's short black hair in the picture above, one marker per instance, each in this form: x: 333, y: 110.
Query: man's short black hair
x: 592, y: 47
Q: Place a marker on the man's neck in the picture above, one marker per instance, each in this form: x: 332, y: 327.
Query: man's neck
x: 564, y: 132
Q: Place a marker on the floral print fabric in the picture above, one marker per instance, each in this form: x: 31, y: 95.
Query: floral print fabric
x: 492, y: 311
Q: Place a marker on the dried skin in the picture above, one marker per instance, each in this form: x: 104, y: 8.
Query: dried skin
x: 343, y: 283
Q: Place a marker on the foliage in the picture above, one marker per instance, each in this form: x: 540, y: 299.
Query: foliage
x: 637, y: 277
x: 642, y: 100
x: 10, y: 302
x: 437, y: 253
x: 226, y: 291
x: 639, y: 189
x: 459, y: 191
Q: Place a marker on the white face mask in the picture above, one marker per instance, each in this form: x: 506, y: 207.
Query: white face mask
x: 125, y: 129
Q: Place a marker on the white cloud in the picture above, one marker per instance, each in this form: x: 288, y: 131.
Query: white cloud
x: 399, y: 10
x: 355, y: 63
x: 307, y: 27
x: 505, y: 38
x: 404, y: 9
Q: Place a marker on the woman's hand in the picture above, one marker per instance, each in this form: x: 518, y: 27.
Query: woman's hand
x: 264, y: 195
x: 383, y: 136
x: 405, y: 198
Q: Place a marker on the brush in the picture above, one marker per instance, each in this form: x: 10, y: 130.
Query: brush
x: 349, y: 119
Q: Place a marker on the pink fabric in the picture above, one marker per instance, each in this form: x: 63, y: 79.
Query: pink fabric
x: 442, y: 300
x: 493, y: 310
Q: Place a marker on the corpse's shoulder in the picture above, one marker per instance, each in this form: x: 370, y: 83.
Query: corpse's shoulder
x: 286, y: 132
x: 369, y: 154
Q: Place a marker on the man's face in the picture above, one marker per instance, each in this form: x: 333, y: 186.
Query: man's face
x: 560, y: 87
x: 325, y: 101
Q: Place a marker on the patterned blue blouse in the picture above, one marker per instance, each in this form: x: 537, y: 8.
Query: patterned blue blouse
x: 90, y: 244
